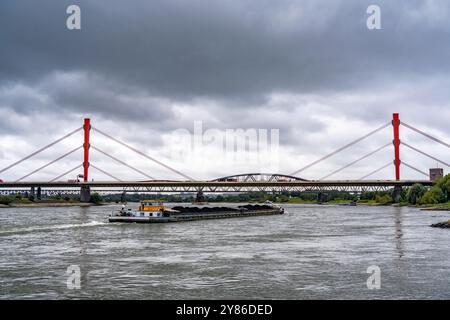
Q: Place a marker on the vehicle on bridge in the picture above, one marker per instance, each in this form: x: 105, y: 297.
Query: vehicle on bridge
x: 156, y: 212
x: 228, y: 180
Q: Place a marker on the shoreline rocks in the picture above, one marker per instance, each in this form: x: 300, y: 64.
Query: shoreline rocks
x: 445, y: 225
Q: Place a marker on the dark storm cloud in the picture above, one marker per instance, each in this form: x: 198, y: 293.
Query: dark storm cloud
x: 309, y: 67
x: 225, y: 49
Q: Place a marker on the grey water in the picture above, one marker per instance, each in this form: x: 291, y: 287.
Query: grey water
x: 311, y: 252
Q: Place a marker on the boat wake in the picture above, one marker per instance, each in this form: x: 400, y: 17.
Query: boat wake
x: 51, y: 227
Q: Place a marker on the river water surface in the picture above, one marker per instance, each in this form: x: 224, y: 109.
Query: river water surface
x: 311, y: 252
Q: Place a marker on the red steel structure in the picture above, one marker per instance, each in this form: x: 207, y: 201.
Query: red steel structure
x: 396, y: 126
x: 86, y: 146
x: 255, y: 177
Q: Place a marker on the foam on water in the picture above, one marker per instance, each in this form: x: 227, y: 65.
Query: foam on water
x: 51, y: 227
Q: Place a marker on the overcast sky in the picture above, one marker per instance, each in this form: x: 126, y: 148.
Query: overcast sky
x: 142, y: 70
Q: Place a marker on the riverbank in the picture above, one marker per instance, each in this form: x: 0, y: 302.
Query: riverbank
x: 438, y: 207
x: 336, y: 202
x: 425, y: 207
x: 47, y: 204
x: 371, y: 203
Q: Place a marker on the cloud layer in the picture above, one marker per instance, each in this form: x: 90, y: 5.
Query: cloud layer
x: 308, y: 68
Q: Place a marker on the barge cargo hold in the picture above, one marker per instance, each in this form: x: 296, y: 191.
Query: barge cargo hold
x: 149, y: 212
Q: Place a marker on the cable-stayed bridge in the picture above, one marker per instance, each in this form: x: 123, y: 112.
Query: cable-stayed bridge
x: 251, y: 182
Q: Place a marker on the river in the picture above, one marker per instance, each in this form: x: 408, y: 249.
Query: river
x: 311, y: 252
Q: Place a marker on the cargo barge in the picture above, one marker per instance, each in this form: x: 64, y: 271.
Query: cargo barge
x: 151, y: 212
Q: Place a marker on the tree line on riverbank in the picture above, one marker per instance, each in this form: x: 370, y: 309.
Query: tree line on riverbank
x: 438, y: 193
x: 414, y: 195
x: 25, y: 198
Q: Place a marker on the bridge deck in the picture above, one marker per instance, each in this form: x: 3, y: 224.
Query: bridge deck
x: 200, y: 184
x: 105, y: 187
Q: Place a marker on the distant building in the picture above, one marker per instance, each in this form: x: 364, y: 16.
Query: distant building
x: 436, y: 173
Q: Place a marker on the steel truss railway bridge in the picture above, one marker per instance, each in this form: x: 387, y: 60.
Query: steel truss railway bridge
x: 252, y: 182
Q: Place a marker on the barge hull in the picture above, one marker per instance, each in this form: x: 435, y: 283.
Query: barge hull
x: 196, y: 216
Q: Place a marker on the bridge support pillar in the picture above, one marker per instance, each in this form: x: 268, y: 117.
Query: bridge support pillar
x: 32, y: 192
x: 397, y: 161
x: 200, y: 197
x: 322, y: 197
x: 85, y: 194
x: 86, y: 146
x: 39, y: 193
x: 397, y: 194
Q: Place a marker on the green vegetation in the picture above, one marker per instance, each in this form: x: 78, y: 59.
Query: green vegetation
x: 436, y: 196
x: 299, y: 200
x: 96, y: 198
x: 415, y: 193
x: 18, y: 198
x: 383, y: 199
x: 444, y: 184
x: 284, y: 197
x: 442, y: 206
x: 26, y: 198
x: 6, y: 200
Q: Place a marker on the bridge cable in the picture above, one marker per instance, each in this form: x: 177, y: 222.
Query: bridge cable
x: 51, y: 162
x: 341, y: 149
x: 425, y: 154
x: 106, y: 173
x: 356, y: 161
x: 122, y: 162
x: 143, y: 154
x: 415, y: 169
x: 66, y: 173
x: 426, y: 135
x: 40, y: 150
x: 375, y: 171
